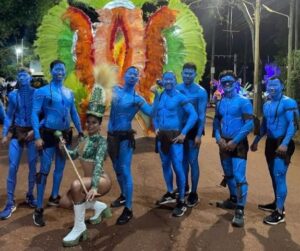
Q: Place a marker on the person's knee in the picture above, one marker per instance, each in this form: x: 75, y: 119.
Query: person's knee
x: 127, y: 178
x: 12, y: 171
x: 41, y: 178
x: 166, y: 165
x: 240, y: 178
x: 227, y: 171
x: 279, y: 171
x: 194, y: 163
x: 76, y: 186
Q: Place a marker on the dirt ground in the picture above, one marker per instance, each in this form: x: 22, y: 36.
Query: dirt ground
x: 204, y: 227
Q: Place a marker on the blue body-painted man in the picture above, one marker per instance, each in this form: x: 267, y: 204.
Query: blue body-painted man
x: 19, y: 116
x: 124, y: 106
x: 173, y: 117
x: 232, y: 123
x: 280, y: 122
x: 2, y: 112
x: 197, y: 96
x: 57, y: 106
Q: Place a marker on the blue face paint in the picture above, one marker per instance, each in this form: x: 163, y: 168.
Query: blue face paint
x: 169, y: 81
x: 274, y: 88
x: 131, y: 76
x: 188, y: 75
x: 58, y: 72
x: 24, y: 78
x: 228, y: 83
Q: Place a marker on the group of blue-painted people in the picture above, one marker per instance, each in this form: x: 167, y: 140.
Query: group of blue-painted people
x: 178, y: 114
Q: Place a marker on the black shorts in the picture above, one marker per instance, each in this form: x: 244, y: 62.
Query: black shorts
x: 50, y: 140
x: 240, y: 151
x: 271, y: 147
x: 115, y: 138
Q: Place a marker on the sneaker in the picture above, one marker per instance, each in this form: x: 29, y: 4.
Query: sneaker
x: 119, y: 202
x: 30, y: 201
x: 179, y: 210
x: 8, y: 210
x: 125, y: 216
x: 167, y: 198
x: 227, y: 204
x: 238, y: 219
x: 271, y: 207
x: 275, y: 218
x: 192, y: 199
x: 38, y: 217
x: 186, y: 193
x: 54, y: 202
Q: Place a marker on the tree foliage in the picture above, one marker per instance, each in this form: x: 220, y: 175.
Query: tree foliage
x: 19, y: 19
x: 296, y: 76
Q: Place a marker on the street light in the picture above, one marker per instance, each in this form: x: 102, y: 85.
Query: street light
x: 290, y: 44
x: 19, y: 52
x: 279, y: 13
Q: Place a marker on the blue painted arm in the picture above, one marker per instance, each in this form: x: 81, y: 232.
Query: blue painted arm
x: 217, y: 123
x: 202, y: 104
x: 38, y: 99
x: 2, y: 112
x: 144, y: 106
x: 249, y: 124
x: 12, y: 106
x: 75, y: 117
x: 291, y: 129
x: 263, y: 131
x: 147, y: 109
x: 154, y: 111
x: 192, y: 117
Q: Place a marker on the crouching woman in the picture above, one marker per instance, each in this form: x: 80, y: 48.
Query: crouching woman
x: 91, y: 152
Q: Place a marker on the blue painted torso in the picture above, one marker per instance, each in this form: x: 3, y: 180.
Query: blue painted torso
x: 169, y: 111
x: 56, y: 108
x: 22, y: 100
x: 275, y: 116
x: 194, y: 94
x: 231, y: 111
x: 124, y: 107
x: 2, y: 112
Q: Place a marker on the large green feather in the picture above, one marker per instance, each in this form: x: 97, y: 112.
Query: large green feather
x: 175, y: 51
x: 65, y: 42
x: 191, y: 33
x: 80, y: 92
x: 46, y: 45
x: 98, y: 4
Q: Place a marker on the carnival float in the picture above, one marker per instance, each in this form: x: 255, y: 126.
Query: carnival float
x: 155, y: 36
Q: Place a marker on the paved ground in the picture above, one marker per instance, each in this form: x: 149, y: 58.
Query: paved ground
x: 202, y: 228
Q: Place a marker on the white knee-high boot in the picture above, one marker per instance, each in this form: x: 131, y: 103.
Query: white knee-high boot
x: 79, y: 230
x: 101, y: 211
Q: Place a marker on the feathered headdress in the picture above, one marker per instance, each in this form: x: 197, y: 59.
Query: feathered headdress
x: 272, y: 70
x: 105, y: 77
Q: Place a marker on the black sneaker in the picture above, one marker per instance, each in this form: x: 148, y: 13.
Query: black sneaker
x: 167, y: 198
x: 54, y: 202
x: 275, y: 218
x: 38, y: 217
x: 227, y: 204
x: 125, y: 216
x: 119, y: 202
x: 192, y: 199
x: 186, y: 193
x: 271, y: 207
x: 238, y: 219
x: 179, y: 210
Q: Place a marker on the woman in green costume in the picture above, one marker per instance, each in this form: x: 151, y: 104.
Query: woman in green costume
x: 91, y: 152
